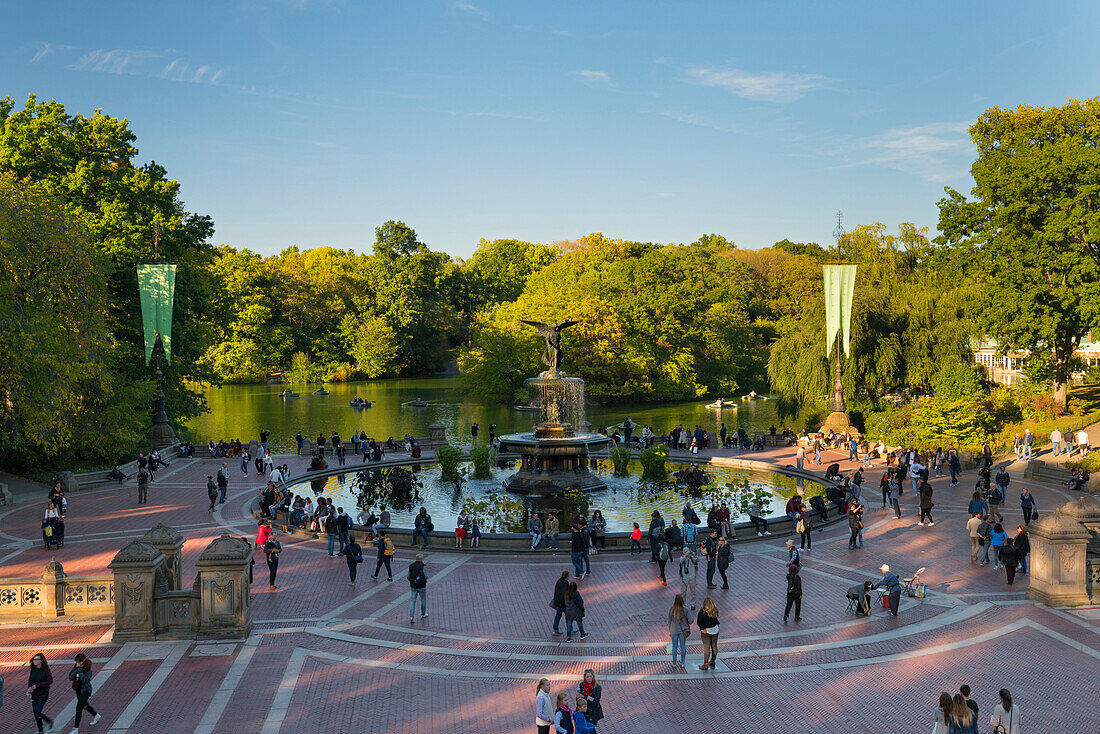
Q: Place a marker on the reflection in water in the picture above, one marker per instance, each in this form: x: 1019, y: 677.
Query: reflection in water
x: 625, y: 501
x: 240, y: 411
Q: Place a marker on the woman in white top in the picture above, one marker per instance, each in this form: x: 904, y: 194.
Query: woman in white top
x: 1006, y: 715
x: 943, y: 712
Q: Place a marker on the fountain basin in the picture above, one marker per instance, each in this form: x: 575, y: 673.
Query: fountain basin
x: 552, y: 459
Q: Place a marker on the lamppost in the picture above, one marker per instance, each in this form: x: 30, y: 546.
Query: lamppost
x: 157, y: 288
x: 839, y: 281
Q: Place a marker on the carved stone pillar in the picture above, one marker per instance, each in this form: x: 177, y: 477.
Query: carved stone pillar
x: 68, y: 482
x: 170, y: 543
x: 224, y: 609
x: 53, y: 589
x: 136, y: 568
x: 1086, y: 511
x: 437, y: 435
x: 1057, y: 571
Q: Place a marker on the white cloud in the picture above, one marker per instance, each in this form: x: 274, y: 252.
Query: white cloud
x: 936, y: 151
x: 775, y: 86
x: 47, y: 49
x: 594, y: 76
x: 468, y: 7
x: 145, y: 63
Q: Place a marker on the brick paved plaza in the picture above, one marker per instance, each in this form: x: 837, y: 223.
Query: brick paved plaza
x: 328, y: 656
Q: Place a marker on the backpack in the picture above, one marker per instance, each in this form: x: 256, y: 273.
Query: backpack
x: 662, y: 550
x: 387, y: 546
x: 996, y: 497
x: 689, y: 533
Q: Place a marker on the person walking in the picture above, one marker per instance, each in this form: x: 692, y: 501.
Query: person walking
x: 81, y: 677
x: 895, y: 494
x: 804, y: 526
x: 664, y: 552
x: 985, y: 533
x: 636, y: 540
x: 143, y: 486
x: 794, y: 594
x: 725, y: 556
x: 557, y: 602
x: 972, y: 526
x: 800, y: 456
x: 578, y: 544
x: 688, y: 569
x: 710, y: 552
x: 38, y: 688
x: 544, y: 707
x: 574, y: 612
x: 1056, y: 442
x: 330, y: 531
x: 1029, y: 444
x: 418, y: 587
x: 954, y: 466
x: 1006, y: 716
x: 926, y: 504
x: 893, y: 588
x: 353, y: 554
x: 943, y: 713
x: 343, y: 525
x: 792, y: 554
x: 1023, y: 546
x: 534, y: 527
x: 385, y: 555
x: 656, y: 530
x: 211, y: 492
x: 1027, y: 504
x: 977, y: 505
x: 1010, y: 558
x: 997, y: 540
x: 996, y: 499
x: 590, y: 691
x: 1082, y: 442
x: 223, y: 482
x: 272, y: 549
x: 707, y: 620
x: 962, y: 719
x: 679, y: 628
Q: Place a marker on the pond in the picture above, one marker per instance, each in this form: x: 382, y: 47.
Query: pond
x: 240, y: 411
x: 625, y: 501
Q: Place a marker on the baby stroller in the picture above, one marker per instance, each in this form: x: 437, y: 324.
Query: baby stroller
x: 53, y: 533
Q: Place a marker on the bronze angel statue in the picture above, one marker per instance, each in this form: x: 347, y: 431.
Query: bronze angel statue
x: 551, y: 357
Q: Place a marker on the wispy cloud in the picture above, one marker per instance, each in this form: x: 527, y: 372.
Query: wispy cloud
x: 47, y: 49
x: 589, y: 75
x: 935, y: 151
x: 500, y: 115
x: 467, y: 7
x: 773, y: 86
x: 153, y: 64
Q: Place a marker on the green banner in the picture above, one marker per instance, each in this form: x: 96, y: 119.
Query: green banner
x: 840, y: 284
x: 157, y: 286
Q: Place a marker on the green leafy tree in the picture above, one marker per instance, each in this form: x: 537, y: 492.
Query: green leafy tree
x: 1031, y: 232
x: 958, y: 381
x: 396, y: 239
x: 372, y: 343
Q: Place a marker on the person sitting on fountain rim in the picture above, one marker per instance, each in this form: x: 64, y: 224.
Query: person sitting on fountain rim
x: 534, y: 526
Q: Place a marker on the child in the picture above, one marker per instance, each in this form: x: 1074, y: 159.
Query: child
x: 635, y: 539
x: 475, y: 533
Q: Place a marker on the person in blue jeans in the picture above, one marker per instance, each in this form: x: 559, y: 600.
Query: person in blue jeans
x: 418, y: 582
x: 578, y: 547
x: 558, y: 602
x: 679, y: 625
x: 997, y: 541
x: 1023, y: 546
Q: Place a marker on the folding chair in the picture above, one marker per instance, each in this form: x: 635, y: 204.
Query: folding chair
x: 852, y: 601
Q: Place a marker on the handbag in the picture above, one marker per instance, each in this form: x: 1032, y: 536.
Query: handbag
x: 48, y: 530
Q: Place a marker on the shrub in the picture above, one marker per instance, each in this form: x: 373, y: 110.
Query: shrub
x: 966, y: 423
x: 1089, y: 462
x: 957, y: 381
x: 449, y: 458
x: 653, y: 461
x: 301, y: 368
x: 620, y: 457
x: 482, y: 457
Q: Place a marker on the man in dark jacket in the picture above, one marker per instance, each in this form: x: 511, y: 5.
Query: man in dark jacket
x: 418, y: 582
x: 353, y: 554
x: 794, y: 594
x: 656, y: 530
x: 211, y: 491
x: 710, y: 550
x: 558, y: 602
x: 578, y: 548
x: 674, y: 537
x: 925, y: 490
x: 422, y: 526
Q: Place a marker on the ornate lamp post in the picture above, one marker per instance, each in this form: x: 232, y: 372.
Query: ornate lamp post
x: 157, y: 287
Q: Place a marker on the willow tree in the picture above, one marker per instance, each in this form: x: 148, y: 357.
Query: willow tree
x: 1031, y: 232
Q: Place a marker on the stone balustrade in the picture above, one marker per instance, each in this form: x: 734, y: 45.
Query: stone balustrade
x: 56, y: 594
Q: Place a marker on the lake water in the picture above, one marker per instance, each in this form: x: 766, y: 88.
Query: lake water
x: 240, y: 411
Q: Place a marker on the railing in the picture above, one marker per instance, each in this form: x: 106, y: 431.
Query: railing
x: 54, y: 594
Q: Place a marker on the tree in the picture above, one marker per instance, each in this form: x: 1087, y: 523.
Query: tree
x: 498, y: 270
x: 372, y: 343
x: 1031, y: 233
x: 61, y: 399
x: 396, y: 239
x: 133, y: 214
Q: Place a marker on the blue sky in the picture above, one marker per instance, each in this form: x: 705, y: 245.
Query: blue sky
x: 311, y: 122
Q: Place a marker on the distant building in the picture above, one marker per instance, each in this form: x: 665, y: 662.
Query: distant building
x: 1006, y: 369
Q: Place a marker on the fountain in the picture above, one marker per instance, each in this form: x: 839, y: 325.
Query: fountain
x: 554, y: 457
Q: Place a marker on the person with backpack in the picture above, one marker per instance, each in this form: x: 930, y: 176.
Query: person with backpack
x: 688, y: 569
x: 81, y: 678
x: 1006, y: 717
x: 804, y: 526
x: 656, y: 530
x: 996, y: 498
x: 385, y: 555
x: 353, y: 554
x: 143, y: 486
x: 418, y: 583
x: 690, y: 535
x: 664, y: 552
